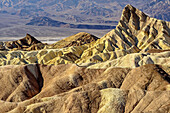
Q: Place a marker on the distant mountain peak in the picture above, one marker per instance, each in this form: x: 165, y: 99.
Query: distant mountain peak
x: 31, y: 38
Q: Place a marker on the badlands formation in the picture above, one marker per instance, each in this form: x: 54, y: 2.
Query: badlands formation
x: 127, y: 70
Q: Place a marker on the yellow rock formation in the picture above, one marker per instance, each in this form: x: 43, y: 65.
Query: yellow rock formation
x: 135, y: 33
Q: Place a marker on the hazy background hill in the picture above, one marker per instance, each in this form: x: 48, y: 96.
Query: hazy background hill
x: 15, y: 14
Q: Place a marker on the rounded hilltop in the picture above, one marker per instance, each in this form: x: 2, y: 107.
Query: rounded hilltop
x: 75, y: 40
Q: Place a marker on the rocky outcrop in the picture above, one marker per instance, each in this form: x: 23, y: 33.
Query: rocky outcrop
x: 26, y: 43
x: 59, y: 56
x: 69, y: 88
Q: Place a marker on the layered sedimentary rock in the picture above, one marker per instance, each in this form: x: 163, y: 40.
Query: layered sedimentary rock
x: 26, y: 43
x: 60, y: 56
x: 69, y: 88
x: 135, y: 33
x: 136, y: 60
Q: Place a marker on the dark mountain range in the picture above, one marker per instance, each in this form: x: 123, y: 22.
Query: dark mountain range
x: 96, y: 11
x: 45, y: 21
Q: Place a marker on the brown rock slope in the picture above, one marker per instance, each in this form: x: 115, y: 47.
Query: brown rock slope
x: 69, y: 88
x: 75, y: 40
x: 26, y: 43
x: 157, y: 50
